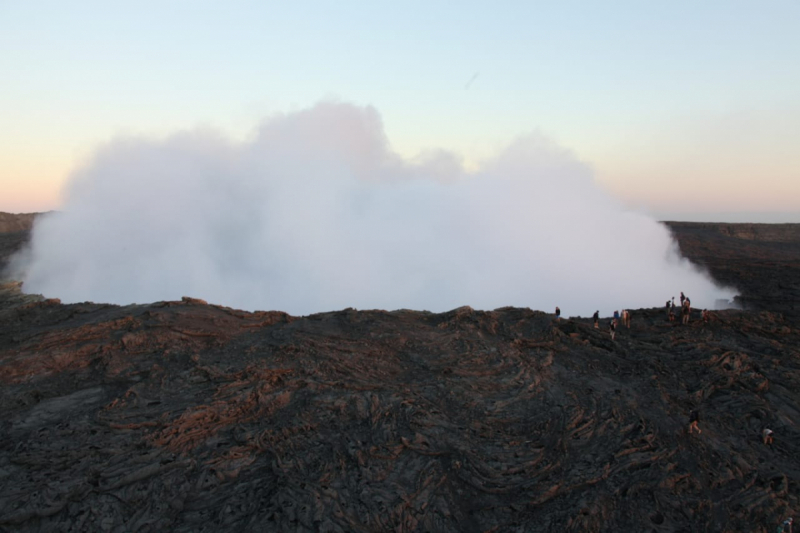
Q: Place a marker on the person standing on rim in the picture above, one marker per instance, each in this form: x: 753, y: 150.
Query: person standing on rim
x: 596, y: 317
x: 558, y: 314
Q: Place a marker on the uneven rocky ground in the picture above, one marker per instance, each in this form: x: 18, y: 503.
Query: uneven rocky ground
x: 193, y: 417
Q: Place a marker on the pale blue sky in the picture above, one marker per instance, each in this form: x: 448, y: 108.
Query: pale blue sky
x: 680, y: 107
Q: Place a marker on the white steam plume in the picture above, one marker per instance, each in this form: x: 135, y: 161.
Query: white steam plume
x: 317, y: 213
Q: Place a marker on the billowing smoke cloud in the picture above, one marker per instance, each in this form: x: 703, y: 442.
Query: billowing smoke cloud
x: 317, y: 213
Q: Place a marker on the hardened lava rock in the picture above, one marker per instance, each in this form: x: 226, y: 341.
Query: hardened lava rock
x: 186, y: 416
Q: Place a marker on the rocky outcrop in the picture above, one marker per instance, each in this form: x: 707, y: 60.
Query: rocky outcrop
x: 14, y: 234
x: 16, y: 222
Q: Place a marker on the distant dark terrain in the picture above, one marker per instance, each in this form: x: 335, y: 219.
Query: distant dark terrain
x: 185, y: 416
x: 761, y: 260
x: 15, y: 231
x: 14, y: 223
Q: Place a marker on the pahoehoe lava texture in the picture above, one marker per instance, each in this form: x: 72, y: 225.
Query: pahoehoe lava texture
x: 186, y: 416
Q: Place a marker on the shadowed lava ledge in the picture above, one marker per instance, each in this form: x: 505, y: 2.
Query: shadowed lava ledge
x: 194, y: 417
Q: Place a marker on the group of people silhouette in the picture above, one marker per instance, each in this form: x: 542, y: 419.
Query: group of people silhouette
x: 685, y: 311
x: 625, y: 315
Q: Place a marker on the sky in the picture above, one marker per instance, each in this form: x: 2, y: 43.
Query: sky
x: 681, y: 110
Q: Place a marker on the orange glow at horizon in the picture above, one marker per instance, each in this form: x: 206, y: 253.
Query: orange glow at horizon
x: 32, y: 186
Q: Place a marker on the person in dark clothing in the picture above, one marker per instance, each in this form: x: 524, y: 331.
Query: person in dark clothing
x: 596, y: 317
x: 685, y: 310
x: 683, y: 298
x: 786, y: 526
x: 558, y: 313
x: 612, y: 328
x: 694, y: 419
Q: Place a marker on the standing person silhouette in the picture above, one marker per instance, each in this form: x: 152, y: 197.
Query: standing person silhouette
x: 694, y: 419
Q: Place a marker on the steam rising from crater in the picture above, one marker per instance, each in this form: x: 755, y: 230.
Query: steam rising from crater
x: 316, y: 213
